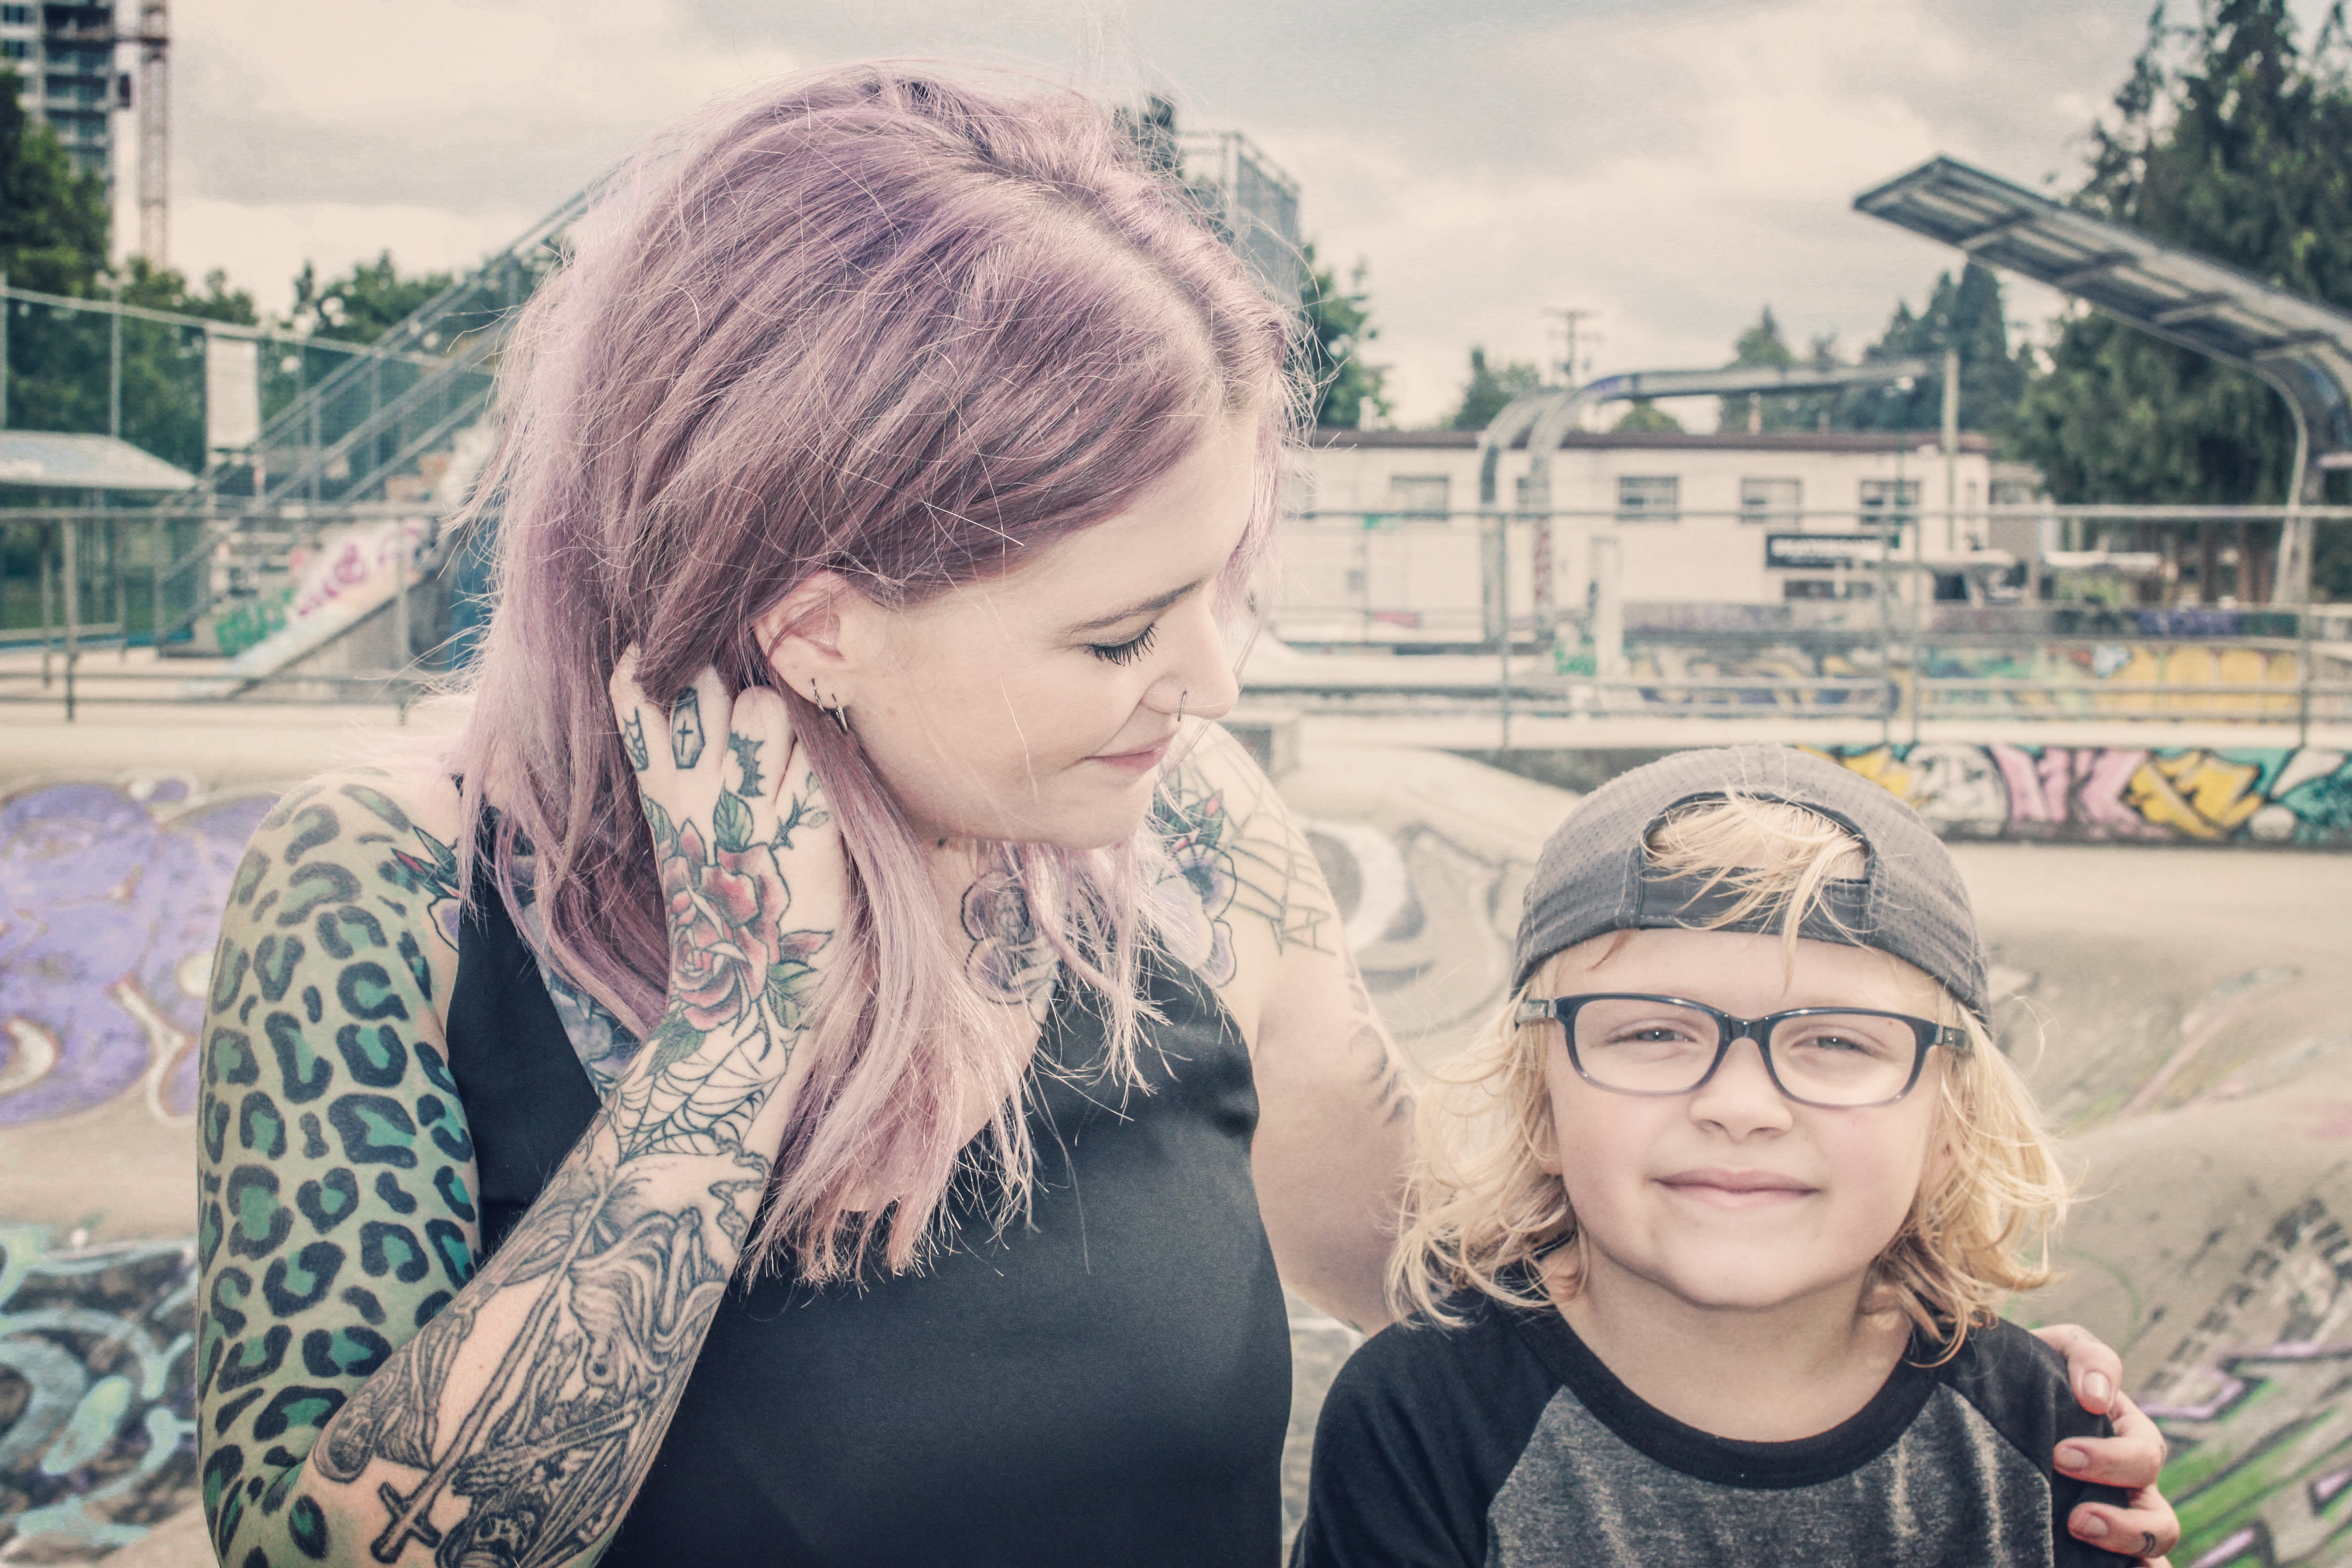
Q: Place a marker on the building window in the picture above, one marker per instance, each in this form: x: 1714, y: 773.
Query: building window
x: 1889, y: 500
x: 1427, y: 494
x: 15, y: 15
x: 15, y: 49
x: 1770, y: 501
x: 1648, y: 498
x: 2013, y: 492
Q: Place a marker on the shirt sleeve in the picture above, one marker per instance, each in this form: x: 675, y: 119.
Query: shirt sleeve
x: 2020, y: 1385
x: 1420, y: 1430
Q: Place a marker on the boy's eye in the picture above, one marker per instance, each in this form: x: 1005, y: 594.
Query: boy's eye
x: 1126, y: 652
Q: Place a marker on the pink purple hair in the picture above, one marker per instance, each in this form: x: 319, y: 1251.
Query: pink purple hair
x: 875, y: 322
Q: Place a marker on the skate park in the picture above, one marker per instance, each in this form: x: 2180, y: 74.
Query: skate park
x: 2132, y: 723
x: 2180, y: 1004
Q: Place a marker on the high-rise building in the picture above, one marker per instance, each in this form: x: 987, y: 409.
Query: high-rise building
x: 64, y: 59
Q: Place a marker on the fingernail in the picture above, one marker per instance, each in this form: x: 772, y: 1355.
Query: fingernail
x: 2092, y: 1527
x: 2102, y: 1392
x: 2073, y: 1455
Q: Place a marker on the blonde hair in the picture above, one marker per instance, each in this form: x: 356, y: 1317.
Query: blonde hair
x: 1483, y: 1210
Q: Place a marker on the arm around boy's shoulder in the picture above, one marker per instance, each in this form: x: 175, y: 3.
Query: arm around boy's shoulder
x: 2017, y: 1385
x: 1420, y: 1429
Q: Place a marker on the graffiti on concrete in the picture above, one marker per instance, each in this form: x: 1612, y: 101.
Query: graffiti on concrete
x: 1430, y: 922
x: 2261, y: 1472
x: 2247, y: 794
x: 97, y: 1392
x: 110, y: 907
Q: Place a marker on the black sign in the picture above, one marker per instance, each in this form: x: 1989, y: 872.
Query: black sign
x: 1828, y: 551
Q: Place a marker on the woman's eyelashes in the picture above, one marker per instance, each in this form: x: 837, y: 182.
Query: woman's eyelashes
x: 1126, y: 652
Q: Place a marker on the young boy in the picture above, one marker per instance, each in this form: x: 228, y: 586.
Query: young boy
x: 1705, y: 1259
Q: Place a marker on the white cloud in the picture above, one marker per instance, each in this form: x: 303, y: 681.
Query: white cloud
x: 1671, y: 164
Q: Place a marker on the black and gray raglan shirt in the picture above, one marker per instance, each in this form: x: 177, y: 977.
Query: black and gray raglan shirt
x: 1506, y: 1444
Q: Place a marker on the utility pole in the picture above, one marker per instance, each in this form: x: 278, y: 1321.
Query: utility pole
x: 1570, y: 363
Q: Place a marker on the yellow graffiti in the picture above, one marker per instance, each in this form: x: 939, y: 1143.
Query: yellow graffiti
x: 1879, y: 764
x: 2192, y: 666
x: 2196, y: 793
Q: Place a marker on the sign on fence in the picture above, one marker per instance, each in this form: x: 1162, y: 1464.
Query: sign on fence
x: 232, y: 391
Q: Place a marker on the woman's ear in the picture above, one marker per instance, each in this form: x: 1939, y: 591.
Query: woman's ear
x: 800, y: 638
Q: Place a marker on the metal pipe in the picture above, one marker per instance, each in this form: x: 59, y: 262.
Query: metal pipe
x: 73, y: 607
x: 1503, y: 625
x: 47, y: 633
x: 114, y: 365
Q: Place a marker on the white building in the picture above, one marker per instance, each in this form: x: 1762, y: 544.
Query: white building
x: 1389, y: 532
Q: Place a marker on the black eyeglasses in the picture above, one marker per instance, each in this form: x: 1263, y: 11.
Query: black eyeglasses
x: 1845, y: 1058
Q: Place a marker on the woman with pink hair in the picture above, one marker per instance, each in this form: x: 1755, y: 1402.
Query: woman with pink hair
x: 837, y: 1064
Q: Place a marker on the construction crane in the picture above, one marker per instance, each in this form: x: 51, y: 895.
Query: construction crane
x: 154, y: 108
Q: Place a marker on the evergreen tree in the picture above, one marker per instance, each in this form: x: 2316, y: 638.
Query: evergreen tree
x: 1964, y: 313
x: 1762, y: 344
x: 2229, y: 137
x: 1490, y: 389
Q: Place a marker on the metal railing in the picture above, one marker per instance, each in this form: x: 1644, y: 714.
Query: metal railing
x: 222, y: 573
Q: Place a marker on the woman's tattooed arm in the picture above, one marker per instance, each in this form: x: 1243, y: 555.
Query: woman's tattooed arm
x: 1248, y: 907
x: 516, y: 1422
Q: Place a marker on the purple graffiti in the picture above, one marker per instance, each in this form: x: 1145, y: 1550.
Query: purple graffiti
x: 2217, y: 794
x: 110, y: 907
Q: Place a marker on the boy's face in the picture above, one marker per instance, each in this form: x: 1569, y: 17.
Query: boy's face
x: 1733, y: 1196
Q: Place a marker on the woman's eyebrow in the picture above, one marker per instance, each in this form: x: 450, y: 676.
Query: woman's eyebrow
x: 1139, y: 607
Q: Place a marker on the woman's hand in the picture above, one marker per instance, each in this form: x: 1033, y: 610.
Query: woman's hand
x: 2146, y: 1529
x: 753, y: 883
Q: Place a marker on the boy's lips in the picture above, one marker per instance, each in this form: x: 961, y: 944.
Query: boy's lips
x: 1737, y: 1188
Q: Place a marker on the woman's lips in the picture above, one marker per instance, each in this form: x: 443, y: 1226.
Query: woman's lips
x: 1738, y: 1189
x: 1137, y: 761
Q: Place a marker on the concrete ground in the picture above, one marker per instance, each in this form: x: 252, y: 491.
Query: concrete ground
x: 2185, y: 1014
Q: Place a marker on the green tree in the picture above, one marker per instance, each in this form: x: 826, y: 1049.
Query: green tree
x: 1489, y: 389
x: 1645, y: 415
x: 53, y: 222
x: 2228, y: 138
x: 164, y: 364
x: 1762, y: 344
x: 1345, y: 386
x: 1964, y: 313
x: 362, y: 304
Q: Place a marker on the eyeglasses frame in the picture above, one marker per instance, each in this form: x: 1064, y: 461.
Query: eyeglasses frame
x: 1926, y: 1034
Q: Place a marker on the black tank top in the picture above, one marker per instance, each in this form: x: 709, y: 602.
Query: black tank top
x: 1106, y: 1383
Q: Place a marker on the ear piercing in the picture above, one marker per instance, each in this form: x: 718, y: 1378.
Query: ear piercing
x: 838, y: 713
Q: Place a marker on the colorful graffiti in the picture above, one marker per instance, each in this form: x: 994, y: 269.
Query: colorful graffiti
x: 2261, y: 1472
x: 97, y: 1392
x: 109, y: 906
x: 2242, y: 794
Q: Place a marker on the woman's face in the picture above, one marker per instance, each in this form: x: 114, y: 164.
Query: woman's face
x: 1037, y: 706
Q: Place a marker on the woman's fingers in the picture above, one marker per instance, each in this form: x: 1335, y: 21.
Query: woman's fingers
x: 2095, y: 1372
x: 2131, y: 1459
x: 2145, y: 1526
x: 2146, y: 1531
x: 788, y: 816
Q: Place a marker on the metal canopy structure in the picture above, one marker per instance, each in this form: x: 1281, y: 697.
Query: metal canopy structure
x: 1544, y: 418
x: 54, y: 460
x: 2301, y: 347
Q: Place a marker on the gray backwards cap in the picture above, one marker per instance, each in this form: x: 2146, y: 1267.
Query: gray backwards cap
x: 1594, y: 876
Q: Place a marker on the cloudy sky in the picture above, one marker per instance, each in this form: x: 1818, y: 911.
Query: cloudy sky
x: 1670, y: 165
